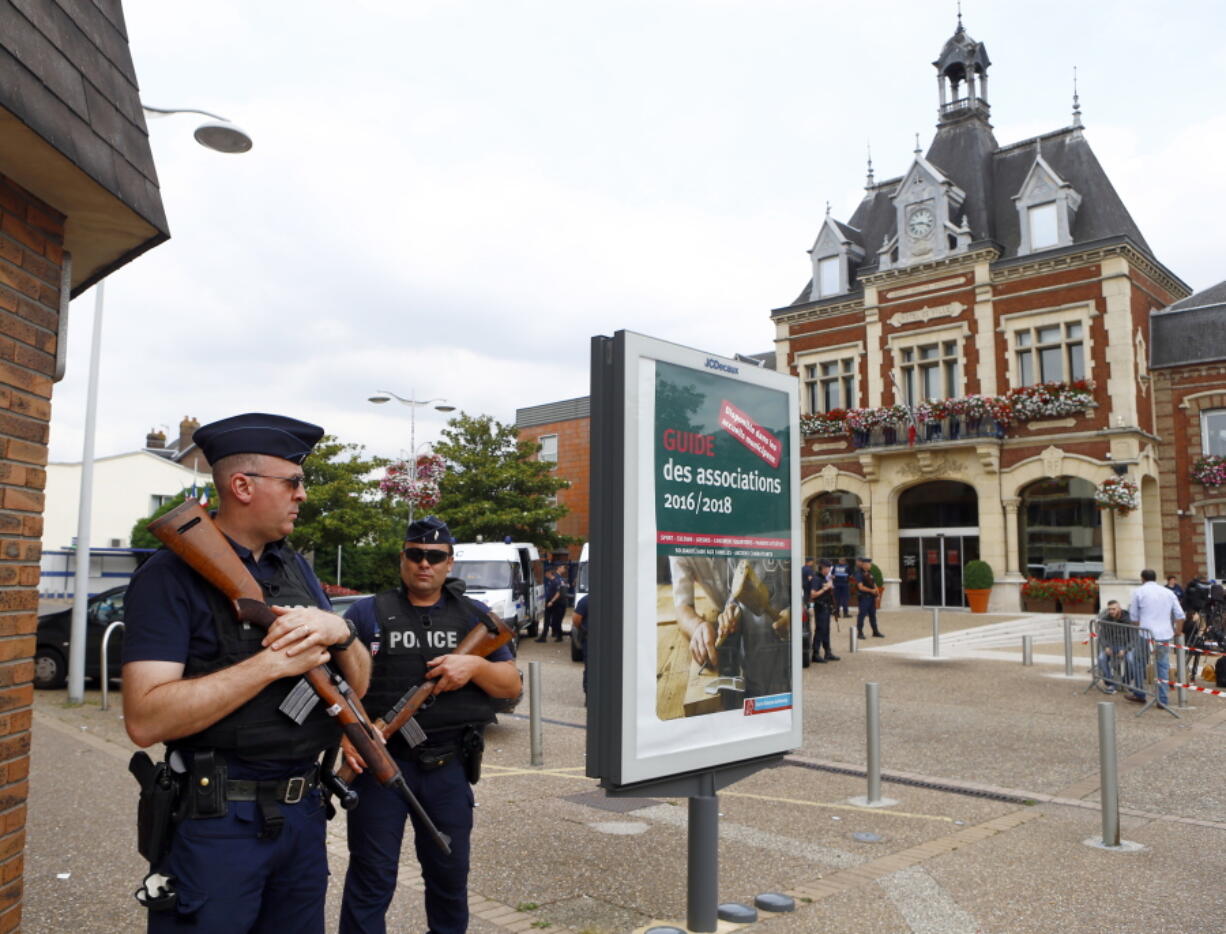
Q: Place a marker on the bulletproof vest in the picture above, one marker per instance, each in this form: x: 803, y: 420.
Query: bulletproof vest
x: 259, y: 730
x: 409, y: 636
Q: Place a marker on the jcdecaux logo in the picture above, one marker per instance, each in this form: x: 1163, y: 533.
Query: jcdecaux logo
x: 713, y: 364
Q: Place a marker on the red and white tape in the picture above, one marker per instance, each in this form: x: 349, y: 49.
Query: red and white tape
x: 1193, y: 687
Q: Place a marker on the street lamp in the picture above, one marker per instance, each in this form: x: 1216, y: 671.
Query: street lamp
x: 219, y: 135
x: 387, y: 396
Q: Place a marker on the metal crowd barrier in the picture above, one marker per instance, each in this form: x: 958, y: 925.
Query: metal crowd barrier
x: 1119, y: 661
x: 104, y: 675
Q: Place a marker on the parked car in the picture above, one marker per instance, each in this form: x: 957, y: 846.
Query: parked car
x: 342, y: 603
x: 52, y: 639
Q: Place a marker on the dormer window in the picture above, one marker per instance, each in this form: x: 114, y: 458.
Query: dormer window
x: 1046, y: 208
x: 1044, y: 228
x: 828, y: 276
x: 837, y: 247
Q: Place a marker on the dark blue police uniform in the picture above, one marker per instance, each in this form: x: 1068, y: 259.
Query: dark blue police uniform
x: 391, y: 626
x: 229, y: 874
x: 248, y: 853
x: 555, y: 612
x: 866, y: 603
x: 584, y: 631
x: 842, y: 588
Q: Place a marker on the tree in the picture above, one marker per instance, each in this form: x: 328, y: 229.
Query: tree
x: 345, y: 509
x: 493, y: 487
x: 141, y: 537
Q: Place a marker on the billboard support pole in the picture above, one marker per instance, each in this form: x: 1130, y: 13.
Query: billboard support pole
x: 702, y: 881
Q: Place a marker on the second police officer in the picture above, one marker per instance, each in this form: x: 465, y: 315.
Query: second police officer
x: 411, y: 630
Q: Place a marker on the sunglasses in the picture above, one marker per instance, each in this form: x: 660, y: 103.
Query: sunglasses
x: 295, y: 482
x: 432, y: 555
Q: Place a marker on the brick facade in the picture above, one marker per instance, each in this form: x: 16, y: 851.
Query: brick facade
x: 574, y: 444
x: 1181, y: 395
x: 31, y: 255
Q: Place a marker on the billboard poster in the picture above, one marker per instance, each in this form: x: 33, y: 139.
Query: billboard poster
x: 721, y: 502
x: 710, y: 583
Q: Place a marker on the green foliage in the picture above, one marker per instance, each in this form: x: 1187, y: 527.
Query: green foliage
x: 344, y: 509
x: 977, y: 575
x: 141, y: 537
x: 494, y: 487
x: 878, y: 577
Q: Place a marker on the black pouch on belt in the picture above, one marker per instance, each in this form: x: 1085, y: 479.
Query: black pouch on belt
x: 156, y: 811
x: 430, y: 758
x: 472, y: 747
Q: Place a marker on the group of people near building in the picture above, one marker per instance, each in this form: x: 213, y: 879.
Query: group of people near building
x: 828, y: 586
x: 1129, y: 638
x: 235, y: 817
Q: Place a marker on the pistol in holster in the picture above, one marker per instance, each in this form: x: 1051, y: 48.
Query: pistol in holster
x: 472, y: 748
x: 159, y: 807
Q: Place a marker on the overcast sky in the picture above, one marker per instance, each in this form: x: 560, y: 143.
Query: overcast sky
x: 450, y: 197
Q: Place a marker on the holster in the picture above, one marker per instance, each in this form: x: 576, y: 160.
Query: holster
x: 472, y: 748
x: 158, y: 808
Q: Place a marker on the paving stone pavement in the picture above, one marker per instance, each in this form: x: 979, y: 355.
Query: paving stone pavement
x: 994, y: 767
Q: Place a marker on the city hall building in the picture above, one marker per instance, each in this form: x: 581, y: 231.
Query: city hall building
x: 973, y: 353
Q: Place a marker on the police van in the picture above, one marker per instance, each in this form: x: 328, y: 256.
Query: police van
x: 508, y: 577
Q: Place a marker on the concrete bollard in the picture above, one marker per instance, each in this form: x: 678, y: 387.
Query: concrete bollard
x: 1068, y: 647
x: 936, y: 632
x: 1109, y: 794
x: 851, y: 639
x: 534, y: 712
x: 1027, y: 650
x: 872, y: 706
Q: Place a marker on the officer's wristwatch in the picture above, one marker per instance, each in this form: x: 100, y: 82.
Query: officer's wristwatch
x: 353, y: 634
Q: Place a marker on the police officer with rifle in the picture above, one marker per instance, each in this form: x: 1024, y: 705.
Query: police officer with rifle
x: 233, y: 820
x: 417, y: 633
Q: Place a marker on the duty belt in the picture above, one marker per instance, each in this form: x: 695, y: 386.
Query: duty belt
x: 284, y: 791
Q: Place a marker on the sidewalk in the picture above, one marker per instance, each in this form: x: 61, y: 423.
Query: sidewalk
x: 996, y: 769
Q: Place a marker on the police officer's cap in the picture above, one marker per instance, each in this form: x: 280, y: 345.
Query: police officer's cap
x: 257, y: 433
x: 824, y: 563
x: 430, y: 530
x: 866, y: 560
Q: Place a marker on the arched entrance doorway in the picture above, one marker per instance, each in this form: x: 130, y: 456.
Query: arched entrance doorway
x: 837, y: 526
x: 938, y: 532
x: 1060, y: 529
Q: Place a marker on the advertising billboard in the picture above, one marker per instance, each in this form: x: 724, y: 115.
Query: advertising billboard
x: 707, y: 659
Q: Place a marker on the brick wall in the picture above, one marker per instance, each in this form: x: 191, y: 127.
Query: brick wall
x: 1181, y: 394
x: 31, y: 255
x: 574, y: 446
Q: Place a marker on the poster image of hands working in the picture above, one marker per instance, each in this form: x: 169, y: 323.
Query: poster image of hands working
x: 723, y: 568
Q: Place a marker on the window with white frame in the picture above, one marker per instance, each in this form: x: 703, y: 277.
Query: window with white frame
x: 1044, y: 225
x: 1049, y: 353
x: 830, y: 384
x: 1213, y: 432
x: 828, y: 276
x: 1216, y: 537
x: 549, y: 448
x: 930, y: 371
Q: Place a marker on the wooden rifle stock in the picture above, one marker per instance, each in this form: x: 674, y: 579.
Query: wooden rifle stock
x: 479, y: 641
x: 190, y: 532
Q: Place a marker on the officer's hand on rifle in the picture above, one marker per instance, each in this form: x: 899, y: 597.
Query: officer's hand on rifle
x: 298, y: 628
x: 453, y: 671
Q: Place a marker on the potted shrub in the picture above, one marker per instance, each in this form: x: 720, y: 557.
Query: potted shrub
x: 1039, y: 596
x: 977, y: 580
x: 879, y: 580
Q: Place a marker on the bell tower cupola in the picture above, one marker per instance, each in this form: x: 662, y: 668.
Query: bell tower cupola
x: 962, y: 78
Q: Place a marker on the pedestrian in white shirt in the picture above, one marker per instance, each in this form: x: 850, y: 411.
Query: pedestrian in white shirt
x: 1154, y: 608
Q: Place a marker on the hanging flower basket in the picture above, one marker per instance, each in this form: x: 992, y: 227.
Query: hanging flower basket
x: 1050, y: 400
x: 1210, y: 470
x: 419, y: 488
x: 832, y: 424
x: 1119, y: 494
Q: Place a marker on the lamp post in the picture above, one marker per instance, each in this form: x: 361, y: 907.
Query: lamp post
x: 387, y: 396
x: 220, y: 135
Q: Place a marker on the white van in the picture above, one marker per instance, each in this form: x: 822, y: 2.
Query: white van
x: 508, y: 577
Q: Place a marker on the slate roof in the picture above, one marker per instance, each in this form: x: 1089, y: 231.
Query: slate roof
x: 1193, y: 330
x: 66, y: 73
x: 991, y: 175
